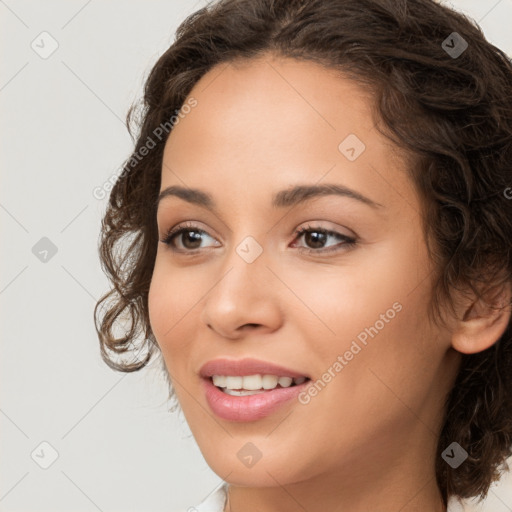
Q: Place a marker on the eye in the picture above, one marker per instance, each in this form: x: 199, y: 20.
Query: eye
x: 189, y: 243
x: 317, y: 236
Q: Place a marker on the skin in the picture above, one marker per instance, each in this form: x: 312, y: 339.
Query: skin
x: 367, y: 440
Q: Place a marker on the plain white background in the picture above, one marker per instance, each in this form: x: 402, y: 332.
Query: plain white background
x: 116, y: 447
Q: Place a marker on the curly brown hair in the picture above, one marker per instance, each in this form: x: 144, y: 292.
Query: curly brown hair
x: 450, y: 114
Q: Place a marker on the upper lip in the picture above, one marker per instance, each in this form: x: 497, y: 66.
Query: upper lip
x: 246, y: 367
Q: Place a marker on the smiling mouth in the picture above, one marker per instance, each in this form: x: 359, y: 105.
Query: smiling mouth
x: 254, y: 384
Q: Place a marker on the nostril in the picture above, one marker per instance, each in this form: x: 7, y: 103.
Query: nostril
x: 251, y: 325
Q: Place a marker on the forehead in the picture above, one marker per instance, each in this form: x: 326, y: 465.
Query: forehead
x: 266, y: 123
x: 292, y: 99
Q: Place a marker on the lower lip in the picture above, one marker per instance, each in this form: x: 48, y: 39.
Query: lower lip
x: 251, y: 407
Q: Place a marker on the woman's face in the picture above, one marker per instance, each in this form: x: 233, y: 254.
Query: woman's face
x: 240, y: 284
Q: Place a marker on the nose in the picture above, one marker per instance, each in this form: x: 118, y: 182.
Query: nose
x: 246, y: 297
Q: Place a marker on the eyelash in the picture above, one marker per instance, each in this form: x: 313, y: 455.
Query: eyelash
x: 182, y: 228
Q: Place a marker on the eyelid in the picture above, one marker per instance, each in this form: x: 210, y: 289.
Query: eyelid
x: 175, y: 231
x: 348, y: 241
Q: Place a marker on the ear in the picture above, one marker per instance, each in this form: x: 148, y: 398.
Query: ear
x: 482, y: 322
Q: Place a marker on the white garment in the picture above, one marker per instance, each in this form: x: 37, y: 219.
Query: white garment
x: 216, y: 501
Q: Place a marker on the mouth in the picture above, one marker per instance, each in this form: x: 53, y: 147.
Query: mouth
x: 249, y: 389
x: 232, y: 401
x: 246, y: 385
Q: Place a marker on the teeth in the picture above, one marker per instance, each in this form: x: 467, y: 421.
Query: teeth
x: 234, y: 382
x: 252, y: 384
x: 219, y: 380
x: 242, y: 392
x: 269, y: 381
x: 285, y: 382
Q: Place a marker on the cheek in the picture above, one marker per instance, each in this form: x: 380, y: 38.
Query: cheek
x: 390, y: 354
x: 165, y: 309
x: 157, y: 306
x: 373, y: 312
x: 368, y: 287
x: 174, y: 302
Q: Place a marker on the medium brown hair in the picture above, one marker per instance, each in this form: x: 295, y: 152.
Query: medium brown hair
x: 450, y: 114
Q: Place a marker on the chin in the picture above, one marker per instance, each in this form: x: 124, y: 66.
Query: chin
x: 241, y: 466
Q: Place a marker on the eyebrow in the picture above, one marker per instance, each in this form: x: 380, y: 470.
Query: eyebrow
x: 282, y: 199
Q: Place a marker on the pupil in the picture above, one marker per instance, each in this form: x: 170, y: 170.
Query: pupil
x: 195, y: 237
x: 319, y: 235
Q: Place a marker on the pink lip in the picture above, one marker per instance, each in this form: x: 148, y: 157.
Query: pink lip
x: 246, y: 367
x: 251, y: 407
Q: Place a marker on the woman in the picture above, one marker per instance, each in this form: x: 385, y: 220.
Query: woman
x: 320, y: 215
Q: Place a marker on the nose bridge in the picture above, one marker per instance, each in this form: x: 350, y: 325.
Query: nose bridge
x: 242, y: 294
x: 244, y: 268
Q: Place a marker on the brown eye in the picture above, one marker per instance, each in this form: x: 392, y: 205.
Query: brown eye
x: 189, y: 236
x: 315, y: 239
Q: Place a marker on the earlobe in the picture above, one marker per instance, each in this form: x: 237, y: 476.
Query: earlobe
x: 483, y: 323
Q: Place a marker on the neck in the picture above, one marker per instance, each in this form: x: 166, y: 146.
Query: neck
x: 290, y: 499
x: 397, y: 485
